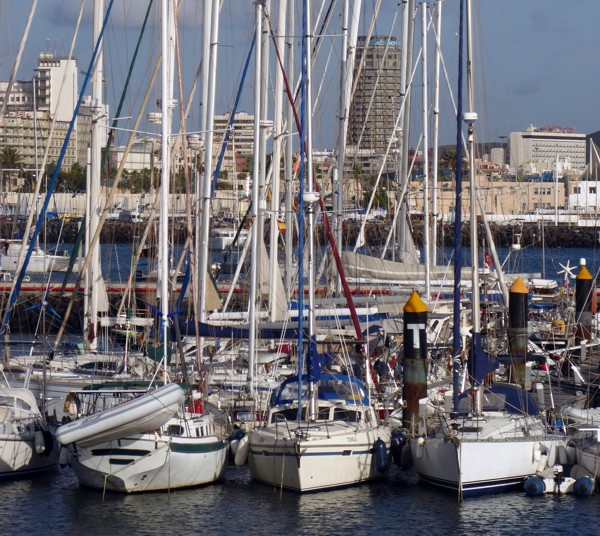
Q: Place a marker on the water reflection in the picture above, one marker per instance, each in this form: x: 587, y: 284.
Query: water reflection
x: 56, y: 504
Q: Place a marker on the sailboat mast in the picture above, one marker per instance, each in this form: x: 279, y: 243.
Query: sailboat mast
x: 426, y: 229
x: 99, y: 119
x: 456, y: 337
x: 208, y: 158
x: 252, y: 294
x: 311, y: 197
x: 278, y: 139
x: 408, y: 12
x: 436, y: 129
x: 338, y: 172
x: 201, y: 178
x: 309, y: 173
x: 470, y: 118
x: 289, y: 157
x: 166, y: 81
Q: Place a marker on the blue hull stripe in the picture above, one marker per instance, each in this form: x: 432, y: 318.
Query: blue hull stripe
x: 481, y: 487
x: 306, y: 454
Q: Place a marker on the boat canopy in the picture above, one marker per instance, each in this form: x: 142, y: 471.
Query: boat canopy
x: 331, y: 387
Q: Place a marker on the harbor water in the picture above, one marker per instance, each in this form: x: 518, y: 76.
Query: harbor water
x: 398, y: 504
x: 116, y: 260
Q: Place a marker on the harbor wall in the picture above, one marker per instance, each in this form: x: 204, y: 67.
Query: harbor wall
x: 526, y: 234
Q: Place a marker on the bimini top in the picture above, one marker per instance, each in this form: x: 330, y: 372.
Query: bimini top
x: 331, y: 387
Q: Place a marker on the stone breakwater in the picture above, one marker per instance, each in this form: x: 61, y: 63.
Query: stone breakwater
x: 550, y: 235
x: 526, y: 234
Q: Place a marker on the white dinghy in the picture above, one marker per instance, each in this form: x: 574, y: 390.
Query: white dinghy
x: 144, y: 413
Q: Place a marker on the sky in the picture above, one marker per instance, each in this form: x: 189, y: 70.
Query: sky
x: 534, y: 60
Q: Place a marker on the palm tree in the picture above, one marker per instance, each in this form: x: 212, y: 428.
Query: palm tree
x: 10, y: 160
x: 448, y: 161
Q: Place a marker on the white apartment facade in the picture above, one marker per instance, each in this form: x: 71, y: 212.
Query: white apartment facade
x: 536, y: 150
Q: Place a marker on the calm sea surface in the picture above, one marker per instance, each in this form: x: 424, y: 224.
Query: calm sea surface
x: 56, y: 504
x: 116, y: 259
x: 398, y: 504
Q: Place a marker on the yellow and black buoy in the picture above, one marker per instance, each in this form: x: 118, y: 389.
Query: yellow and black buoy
x: 517, y: 329
x: 415, y: 357
x: 584, y: 284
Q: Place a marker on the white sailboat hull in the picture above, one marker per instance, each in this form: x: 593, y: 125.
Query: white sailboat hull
x: 476, y: 467
x: 336, y: 455
x: 40, y: 261
x: 18, y: 456
x: 590, y: 461
x: 24, y: 449
x: 141, y: 414
x: 151, y: 462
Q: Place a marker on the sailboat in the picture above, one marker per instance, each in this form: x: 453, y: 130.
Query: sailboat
x: 321, y: 431
x: 494, y: 436
x: 40, y: 262
x: 26, y: 444
x: 132, y: 452
x: 329, y: 436
x: 142, y: 444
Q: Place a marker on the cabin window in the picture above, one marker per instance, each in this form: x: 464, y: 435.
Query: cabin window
x: 290, y: 414
x: 175, y: 430
x: 346, y: 415
x: 323, y: 414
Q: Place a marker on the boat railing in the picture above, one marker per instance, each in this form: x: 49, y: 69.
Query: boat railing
x: 280, y: 418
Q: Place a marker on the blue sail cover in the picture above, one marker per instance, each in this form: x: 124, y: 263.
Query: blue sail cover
x: 316, y: 361
x: 480, y: 363
x: 239, y: 331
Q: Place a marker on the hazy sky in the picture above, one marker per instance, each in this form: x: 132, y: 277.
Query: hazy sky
x: 535, y: 60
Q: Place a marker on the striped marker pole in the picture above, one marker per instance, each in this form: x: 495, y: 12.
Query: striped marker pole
x: 584, y: 284
x: 415, y: 358
x: 517, y: 329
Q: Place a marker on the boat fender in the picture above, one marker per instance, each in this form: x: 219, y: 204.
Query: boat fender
x: 578, y: 471
x: 584, y: 486
x: 63, y: 458
x: 242, y: 452
x: 534, y: 486
x: 398, y: 442
x: 233, y: 446
x: 537, y: 452
x: 562, y: 455
x: 382, y: 458
x: 38, y: 441
x: 420, y: 447
x: 406, y: 458
x: 543, y: 463
x: 48, y: 442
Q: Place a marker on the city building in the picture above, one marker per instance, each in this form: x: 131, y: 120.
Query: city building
x: 536, y: 150
x: 376, y: 101
x: 26, y: 133
x: 144, y: 154
x: 31, y: 108
x: 585, y: 196
x: 56, y: 86
x: 242, y: 135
